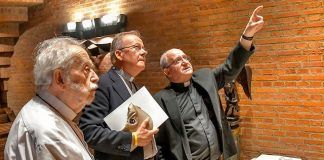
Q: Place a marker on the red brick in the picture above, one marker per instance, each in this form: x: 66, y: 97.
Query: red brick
x: 292, y: 140
x: 287, y: 66
x: 279, y: 133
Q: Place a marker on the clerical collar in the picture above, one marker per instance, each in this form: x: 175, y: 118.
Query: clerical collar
x: 125, y: 75
x: 180, y: 87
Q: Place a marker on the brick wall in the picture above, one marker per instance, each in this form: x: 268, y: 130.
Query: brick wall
x: 286, y: 115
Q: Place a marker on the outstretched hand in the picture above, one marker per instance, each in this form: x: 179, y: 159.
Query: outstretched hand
x: 255, y: 23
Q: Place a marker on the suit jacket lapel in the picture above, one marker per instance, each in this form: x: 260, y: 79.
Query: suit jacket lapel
x: 206, y: 84
x: 119, y: 85
x: 169, y: 97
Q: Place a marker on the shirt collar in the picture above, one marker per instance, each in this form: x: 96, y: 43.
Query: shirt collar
x: 180, y: 87
x: 125, y: 75
x: 58, y: 105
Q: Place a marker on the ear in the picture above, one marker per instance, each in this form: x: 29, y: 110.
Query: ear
x: 119, y: 55
x: 58, y: 78
x: 166, y: 72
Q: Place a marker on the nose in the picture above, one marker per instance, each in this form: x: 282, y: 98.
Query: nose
x: 185, y: 61
x: 143, y: 52
x: 94, y: 77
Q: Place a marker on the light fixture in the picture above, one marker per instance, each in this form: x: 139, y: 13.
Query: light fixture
x: 89, y: 28
x: 111, y: 24
x: 72, y: 29
x: 88, y: 25
x: 122, y: 21
x: 109, y: 19
x: 71, y: 26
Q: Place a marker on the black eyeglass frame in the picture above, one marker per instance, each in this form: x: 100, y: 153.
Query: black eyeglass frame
x: 137, y: 47
x: 178, y: 60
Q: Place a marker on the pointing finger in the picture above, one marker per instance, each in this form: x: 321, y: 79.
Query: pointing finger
x: 256, y: 11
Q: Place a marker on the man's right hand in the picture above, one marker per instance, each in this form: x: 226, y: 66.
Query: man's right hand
x: 144, y: 135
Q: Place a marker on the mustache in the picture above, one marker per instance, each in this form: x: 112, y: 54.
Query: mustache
x: 93, y: 86
x: 79, y: 87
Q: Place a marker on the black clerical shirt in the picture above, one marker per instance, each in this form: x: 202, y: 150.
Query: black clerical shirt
x: 128, y: 80
x: 199, y: 128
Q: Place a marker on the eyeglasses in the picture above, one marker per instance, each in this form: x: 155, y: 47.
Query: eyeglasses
x: 179, y: 60
x: 136, y: 48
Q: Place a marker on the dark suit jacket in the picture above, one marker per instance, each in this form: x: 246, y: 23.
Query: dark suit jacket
x: 172, y: 139
x: 108, y: 144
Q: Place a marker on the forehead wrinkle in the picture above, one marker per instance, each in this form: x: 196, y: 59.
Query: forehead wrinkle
x: 174, y: 53
x: 81, y: 58
x: 131, y: 39
x: 87, y: 61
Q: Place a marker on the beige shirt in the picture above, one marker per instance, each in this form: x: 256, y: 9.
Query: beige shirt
x: 41, y: 131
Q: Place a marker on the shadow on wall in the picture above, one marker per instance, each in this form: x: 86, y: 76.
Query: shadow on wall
x: 21, y: 86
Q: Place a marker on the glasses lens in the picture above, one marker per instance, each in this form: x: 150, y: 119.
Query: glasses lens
x: 138, y: 48
x: 187, y: 58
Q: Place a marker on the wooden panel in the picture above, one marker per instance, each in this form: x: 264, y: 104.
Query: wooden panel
x: 6, y: 48
x: 5, y: 85
x: 9, y: 30
x: 3, y: 99
x: 4, y: 61
x: 4, y: 129
x: 4, y: 118
x: 13, y: 14
x: 20, y: 2
x: 8, y: 41
x: 4, y: 72
x: 2, y: 147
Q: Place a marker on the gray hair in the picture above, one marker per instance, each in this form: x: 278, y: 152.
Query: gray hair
x: 117, y: 43
x: 164, y: 60
x: 52, y: 54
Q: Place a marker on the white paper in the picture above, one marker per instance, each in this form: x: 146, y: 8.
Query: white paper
x: 274, y: 157
x: 116, y: 120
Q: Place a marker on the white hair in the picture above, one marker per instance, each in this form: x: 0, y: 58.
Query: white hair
x: 52, y: 54
x: 164, y: 59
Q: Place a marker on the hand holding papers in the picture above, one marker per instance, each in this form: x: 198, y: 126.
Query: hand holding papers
x: 117, y: 119
x: 130, y: 115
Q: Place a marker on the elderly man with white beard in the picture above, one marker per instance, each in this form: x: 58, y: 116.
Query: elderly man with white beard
x: 65, y: 83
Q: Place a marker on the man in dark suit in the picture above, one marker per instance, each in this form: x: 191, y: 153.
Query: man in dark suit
x: 197, y: 128
x: 115, y: 87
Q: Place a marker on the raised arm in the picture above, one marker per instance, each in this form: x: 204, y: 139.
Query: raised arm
x: 241, y: 53
x: 254, y: 25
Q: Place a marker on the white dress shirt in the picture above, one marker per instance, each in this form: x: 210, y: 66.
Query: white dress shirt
x: 44, y: 130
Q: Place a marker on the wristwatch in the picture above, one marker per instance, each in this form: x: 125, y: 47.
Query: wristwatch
x: 247, y: 38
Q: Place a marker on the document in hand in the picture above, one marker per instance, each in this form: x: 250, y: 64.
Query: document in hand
x: 131, y: 112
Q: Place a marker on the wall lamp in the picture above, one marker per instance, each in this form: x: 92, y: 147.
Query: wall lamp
x: 90, y: 28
